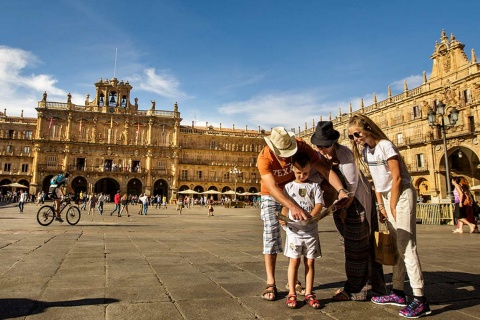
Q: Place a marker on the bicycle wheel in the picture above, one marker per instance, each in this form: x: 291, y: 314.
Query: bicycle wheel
x: 45, y: 215
x: 73, y: 215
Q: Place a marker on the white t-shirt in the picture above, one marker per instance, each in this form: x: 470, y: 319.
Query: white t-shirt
x: 376, y: 158
x: 306, y: 195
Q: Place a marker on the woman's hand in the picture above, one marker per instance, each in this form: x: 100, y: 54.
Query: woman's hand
x: 394, y: 213
x: 383, y: 213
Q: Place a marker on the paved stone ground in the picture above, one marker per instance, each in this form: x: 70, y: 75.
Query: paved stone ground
x: 190, y: 266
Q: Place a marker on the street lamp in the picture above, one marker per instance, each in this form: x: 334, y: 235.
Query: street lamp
x: 235, y: 171
x: 452, y: 119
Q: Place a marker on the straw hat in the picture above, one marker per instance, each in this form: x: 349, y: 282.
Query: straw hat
x: 281, y: 142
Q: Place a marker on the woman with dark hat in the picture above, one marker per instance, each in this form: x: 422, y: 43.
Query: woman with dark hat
x: 356, y: 222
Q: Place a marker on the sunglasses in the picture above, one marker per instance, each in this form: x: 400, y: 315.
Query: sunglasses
x: 355, y: 134
x: 325, y: 147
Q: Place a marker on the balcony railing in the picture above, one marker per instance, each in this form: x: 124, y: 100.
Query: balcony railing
x: 413, y: 168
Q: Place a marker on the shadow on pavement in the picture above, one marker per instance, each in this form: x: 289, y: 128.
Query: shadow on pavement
x: 452, y: 290
x: 18, y: 307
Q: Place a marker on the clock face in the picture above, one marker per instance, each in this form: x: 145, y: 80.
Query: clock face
x: 111, y: 109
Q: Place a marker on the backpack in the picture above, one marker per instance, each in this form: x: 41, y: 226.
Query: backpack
x: 58, y: 180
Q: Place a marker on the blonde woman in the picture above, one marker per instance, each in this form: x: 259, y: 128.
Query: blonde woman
x: 396, y: 198
x: 124, y: 204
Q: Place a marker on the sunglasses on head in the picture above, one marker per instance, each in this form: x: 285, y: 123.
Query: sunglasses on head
x: 325, y: 147
x: 355, y: 134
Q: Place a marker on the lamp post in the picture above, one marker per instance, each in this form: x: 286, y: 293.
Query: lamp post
x: 452, y: 119
x: 235, y: 171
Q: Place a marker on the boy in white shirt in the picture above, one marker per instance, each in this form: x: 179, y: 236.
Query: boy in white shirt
x: 302, y: 235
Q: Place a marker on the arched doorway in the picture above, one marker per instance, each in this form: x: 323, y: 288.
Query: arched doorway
x: 423, y: 188
x: 79, y: 184
x: 183, y: 188
x: 5, y: 189
x: 134, y: 187
x: 160, y: 187
x: 46, y: 183
x: 253, y: 190
x: 107, y: 186
x: 462, y: 161
x: 24, y: 182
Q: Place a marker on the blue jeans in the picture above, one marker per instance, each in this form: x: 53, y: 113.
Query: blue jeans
x: 117, y: 208
x: 145, y: 208
x: 20, y: 206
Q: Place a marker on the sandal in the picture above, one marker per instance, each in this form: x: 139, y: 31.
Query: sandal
x: 272, y: 290
x: 341, y: 295
x: 312, y: 301
x: 298, y: 288
x: 292, y: 301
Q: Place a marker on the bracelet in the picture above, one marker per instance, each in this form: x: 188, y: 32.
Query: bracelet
x: 380, y: 206
x: 343, y: 190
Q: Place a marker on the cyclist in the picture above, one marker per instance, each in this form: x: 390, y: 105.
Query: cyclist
x: 58, y: 182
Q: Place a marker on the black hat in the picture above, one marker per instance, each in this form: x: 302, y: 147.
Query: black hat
x: 324, y: 134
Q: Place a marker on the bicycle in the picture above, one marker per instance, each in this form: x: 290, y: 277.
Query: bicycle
x: 46, y: 214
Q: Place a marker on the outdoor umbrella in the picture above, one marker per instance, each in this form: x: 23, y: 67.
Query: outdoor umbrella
x: 188, y: 191
x: 15, y: 185
x: 475, y: 188
x: 229, y: 192
x: 212, y: 192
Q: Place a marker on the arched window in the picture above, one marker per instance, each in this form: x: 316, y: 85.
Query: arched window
x: 101, y: 99
x: 112, y: 100
x: 123, y: 102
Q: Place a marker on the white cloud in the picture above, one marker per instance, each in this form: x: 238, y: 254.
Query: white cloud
x: 21, y: 92
x: 277, y: 109
x: 163, y: 84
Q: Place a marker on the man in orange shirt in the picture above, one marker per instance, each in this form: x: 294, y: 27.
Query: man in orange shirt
x: 275, y: 165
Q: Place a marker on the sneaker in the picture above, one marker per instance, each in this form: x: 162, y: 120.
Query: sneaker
x: 59, y: 219
x: 392, y: 299
x: 415, y: 309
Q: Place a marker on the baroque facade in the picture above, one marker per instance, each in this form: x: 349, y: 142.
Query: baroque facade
x: 454, y: 81
x: 108, y: 144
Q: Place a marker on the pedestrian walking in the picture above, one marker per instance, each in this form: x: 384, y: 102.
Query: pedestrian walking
x: 117, y: 200
x: 22, y: 199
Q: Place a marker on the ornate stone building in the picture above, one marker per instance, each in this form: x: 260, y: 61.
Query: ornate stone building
x: 108, y: 144
x: 454, y: 81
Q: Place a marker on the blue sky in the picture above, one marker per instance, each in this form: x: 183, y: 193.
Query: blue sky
x: 260, y: 63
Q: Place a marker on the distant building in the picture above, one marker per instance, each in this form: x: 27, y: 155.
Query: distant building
x: 454, y: 81
x: 109, y: 144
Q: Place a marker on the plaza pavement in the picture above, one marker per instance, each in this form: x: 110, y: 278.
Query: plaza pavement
x: 190, y: 266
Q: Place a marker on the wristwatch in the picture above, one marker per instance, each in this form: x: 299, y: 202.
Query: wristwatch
x: 343, y: 190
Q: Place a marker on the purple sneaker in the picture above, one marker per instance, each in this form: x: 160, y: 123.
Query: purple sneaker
x: 415, y: 309
x: 392, y: 299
